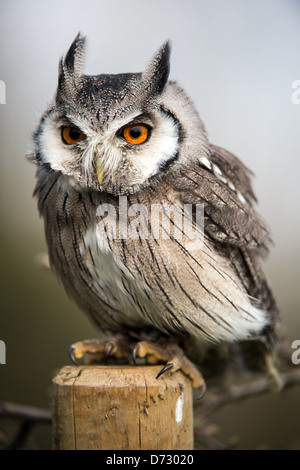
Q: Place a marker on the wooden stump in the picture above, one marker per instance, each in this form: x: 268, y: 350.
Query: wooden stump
x: 121, y: 408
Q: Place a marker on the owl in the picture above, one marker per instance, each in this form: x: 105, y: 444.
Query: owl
x: 152, y: 230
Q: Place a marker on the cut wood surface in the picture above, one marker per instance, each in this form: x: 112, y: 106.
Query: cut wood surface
x: 121, y: 408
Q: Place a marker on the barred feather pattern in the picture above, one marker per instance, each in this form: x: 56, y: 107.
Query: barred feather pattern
x: 218, y: 293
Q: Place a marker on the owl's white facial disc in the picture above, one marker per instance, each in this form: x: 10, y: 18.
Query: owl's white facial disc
x: 104, y: 159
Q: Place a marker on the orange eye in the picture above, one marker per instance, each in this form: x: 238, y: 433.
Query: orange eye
x: 136, y: 133
x: 71, y: 135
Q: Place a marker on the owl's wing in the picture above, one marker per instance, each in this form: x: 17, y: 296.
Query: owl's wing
x: 221, y: 183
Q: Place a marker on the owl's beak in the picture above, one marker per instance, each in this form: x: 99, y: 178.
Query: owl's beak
x: 99, y: 166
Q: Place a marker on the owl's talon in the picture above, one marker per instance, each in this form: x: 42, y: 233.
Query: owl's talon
x: 168, y: 366
x: 71, y: 355
x: 203, y: 391
x: 108, y: 351
x: 134, y: 353
x: 99, y: 351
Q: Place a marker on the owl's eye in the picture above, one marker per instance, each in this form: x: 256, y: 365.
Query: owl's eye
x: 136, y: 133
x: 71, y: 135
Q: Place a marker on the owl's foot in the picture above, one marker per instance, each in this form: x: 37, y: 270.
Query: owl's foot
x: 162, y: 350
x: 174, y: 358
x: 98, y: 351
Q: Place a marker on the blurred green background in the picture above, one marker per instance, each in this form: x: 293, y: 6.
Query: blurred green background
x: 237, y: 60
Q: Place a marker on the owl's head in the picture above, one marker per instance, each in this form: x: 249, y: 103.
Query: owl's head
x: 117, y: 133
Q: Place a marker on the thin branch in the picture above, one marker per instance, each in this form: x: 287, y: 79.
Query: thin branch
x: 28, y: 417
x: 233, y: 393
x: 25, y: 413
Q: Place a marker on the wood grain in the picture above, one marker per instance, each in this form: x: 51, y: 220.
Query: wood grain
x: 121, y: 408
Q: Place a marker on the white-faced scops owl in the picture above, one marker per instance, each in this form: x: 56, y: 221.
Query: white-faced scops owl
x: 151, y: 229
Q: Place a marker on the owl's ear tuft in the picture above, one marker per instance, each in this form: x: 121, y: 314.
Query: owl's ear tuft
x: 74, y: 59
x: 71, y: 66
x: 157, y: 72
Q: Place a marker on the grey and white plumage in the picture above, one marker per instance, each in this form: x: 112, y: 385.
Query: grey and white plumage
x: 215, y: 294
